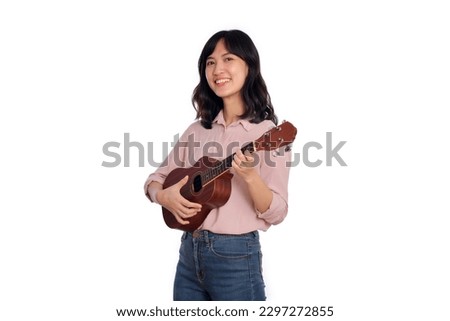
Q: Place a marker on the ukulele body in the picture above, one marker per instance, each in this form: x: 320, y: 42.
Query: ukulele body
x: 210, y: 194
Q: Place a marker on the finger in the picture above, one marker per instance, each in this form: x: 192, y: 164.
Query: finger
x: 193, y: 205
x: 182, y: 181
x: 249, y: 158
x: 238, y: 160
x: 247, y: 154
x: 235, y: 166
x: 239, y: 155
x: 186, y: 212
x: 181, y: 221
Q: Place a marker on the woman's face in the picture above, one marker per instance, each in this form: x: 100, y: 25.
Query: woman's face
x: 225, y: 72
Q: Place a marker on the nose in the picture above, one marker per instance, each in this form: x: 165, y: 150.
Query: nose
x: 218, y: 68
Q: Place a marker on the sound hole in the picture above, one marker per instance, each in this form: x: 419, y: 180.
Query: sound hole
x: 197, y: 183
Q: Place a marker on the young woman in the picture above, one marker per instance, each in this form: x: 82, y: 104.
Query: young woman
x: 221, y: 260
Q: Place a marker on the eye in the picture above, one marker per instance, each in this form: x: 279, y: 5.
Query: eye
x: 228, y: 58
x: 210, y: 63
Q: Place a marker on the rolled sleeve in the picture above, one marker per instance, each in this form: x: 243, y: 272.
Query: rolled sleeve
x: 274, y: 171
x: 178, y: 157
x: 151, y: 193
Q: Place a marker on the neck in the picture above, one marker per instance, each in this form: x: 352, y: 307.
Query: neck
x: 232, y: 111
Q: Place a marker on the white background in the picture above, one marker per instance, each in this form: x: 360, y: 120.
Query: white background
x: 79, y: 240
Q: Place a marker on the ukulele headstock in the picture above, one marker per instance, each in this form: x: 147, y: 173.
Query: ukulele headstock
x: 277, y: 137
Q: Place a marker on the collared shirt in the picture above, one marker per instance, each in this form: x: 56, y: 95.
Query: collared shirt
x: 238, y: 215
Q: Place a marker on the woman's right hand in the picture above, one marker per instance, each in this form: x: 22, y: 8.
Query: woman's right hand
x: 180, y: 207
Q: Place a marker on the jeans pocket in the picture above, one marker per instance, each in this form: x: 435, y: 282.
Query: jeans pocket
x: 230, y: 248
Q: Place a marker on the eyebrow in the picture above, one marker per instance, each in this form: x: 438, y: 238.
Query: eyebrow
x: 227, y: 53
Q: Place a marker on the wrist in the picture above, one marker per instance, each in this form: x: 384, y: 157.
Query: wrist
x: 251, y: 178
x: 153, y: 194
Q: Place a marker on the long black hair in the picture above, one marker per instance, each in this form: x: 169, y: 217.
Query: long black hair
x: 258, y: 106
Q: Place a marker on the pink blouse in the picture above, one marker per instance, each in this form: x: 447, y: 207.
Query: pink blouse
x: 238, y: 215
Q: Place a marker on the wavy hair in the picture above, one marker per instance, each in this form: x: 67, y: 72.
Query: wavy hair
x: 258, y: 106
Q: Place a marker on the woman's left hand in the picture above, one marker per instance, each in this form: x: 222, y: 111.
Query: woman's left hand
x: 244, y: 165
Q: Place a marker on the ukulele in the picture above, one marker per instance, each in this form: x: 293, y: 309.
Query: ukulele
x: 209, y: 180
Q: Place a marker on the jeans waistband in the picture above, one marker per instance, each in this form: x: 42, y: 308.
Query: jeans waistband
x: 205, y: 234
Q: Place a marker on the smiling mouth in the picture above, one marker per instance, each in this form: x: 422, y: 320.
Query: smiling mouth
x: 221, y: 81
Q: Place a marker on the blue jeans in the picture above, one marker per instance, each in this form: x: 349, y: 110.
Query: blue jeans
x: 219, y: 267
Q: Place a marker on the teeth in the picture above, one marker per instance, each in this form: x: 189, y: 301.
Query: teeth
x: 220, y: 81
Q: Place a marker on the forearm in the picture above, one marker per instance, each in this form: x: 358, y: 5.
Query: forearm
x: 267, y: 187
x: 260, y: 193
x: 152, y: 189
